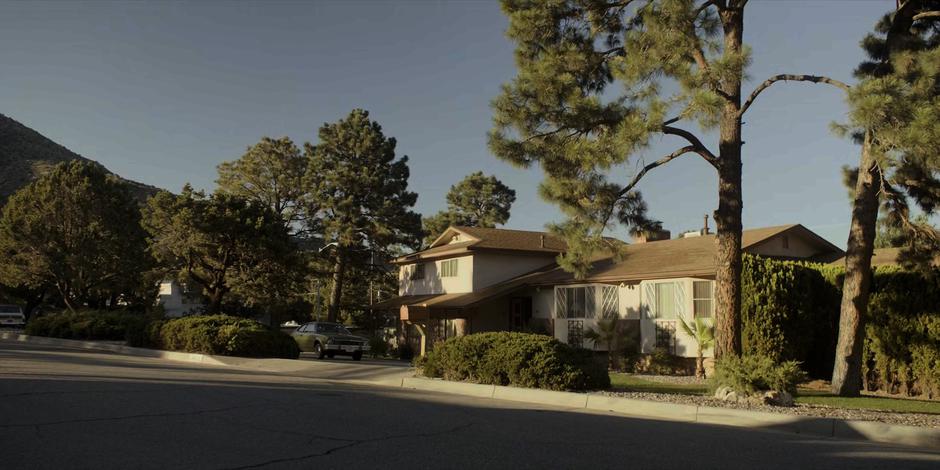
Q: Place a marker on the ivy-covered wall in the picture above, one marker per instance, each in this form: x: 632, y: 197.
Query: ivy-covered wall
x: 790, y: 311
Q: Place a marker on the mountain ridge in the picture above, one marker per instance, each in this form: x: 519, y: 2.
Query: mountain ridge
x: 25, y: 155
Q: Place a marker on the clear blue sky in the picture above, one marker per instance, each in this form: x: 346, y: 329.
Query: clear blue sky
x: 162, y: 92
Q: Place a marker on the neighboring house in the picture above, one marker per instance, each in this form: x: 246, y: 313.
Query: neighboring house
x: 473, y: 280
x: 177, y: 301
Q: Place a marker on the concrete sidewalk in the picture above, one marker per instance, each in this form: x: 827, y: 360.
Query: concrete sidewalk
x: 397, y: 374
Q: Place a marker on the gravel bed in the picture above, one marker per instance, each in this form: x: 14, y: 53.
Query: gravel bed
x: 909, y: 419
x: 672, y: 379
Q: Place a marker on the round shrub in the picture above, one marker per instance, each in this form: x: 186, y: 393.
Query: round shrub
x: 224, y: 335
x: 519, y: 359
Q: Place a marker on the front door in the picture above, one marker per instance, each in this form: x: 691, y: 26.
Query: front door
x: 520, y: 312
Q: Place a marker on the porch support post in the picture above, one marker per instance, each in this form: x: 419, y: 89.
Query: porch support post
x: 424, y: 338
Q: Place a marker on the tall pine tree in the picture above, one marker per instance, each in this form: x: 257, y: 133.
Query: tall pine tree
x: 357, y: 196
x: 562, y: 111
x: 476, y: 201
x: 895, y: 116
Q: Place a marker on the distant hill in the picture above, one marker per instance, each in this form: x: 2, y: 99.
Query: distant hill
x: 26, y: 154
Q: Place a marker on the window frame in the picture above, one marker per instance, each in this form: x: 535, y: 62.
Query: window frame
x: 417, y: 272
x: 446, y: 264
x: 710, y: 299
x: 677, y: 310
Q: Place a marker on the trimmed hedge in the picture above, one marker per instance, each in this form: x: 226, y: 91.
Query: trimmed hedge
x: 87, y: 325
x: 519, y: 359
x: 215, y: 334
x: 790, y: 311
x: 219, y: 334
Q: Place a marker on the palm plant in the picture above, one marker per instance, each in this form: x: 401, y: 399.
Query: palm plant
x: 704, y: 336
x: 607, y: 333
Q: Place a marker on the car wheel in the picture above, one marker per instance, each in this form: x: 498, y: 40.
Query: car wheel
x: 357, y: 356
x: 318, y: 350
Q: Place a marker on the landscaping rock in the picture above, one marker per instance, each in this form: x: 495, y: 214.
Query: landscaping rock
x: 775, y: 398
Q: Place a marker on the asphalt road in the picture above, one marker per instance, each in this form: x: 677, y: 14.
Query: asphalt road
x: 62, y: 408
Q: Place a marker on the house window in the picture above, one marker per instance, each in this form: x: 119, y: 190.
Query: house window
x: 666, y: 335
x: 574, y: 302
x: 449, y: 268
x: 665, y: 304
x: 703, y: 298
x: 417, y: 272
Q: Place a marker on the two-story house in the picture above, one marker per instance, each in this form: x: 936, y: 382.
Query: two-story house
x: 472, y: 280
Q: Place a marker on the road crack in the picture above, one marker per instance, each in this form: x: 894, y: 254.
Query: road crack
x: 352, y: 443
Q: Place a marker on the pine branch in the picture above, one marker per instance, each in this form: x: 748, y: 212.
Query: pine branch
x: 662, y: 161
x: 789, y: 78
x: 697, y: 145
x: 926, y: 14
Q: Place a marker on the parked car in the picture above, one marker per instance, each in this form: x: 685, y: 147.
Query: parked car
x: 326, y: 339
x: 12, y: 316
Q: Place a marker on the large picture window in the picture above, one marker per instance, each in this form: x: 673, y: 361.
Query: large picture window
x: 578, y: 302
x: 665, y: 305
x: 449, y: 268
x: 703, y: 298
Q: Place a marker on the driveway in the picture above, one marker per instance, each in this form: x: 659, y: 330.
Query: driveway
x: 64, y: 408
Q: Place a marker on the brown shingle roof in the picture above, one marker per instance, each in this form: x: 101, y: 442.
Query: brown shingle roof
x: 491, y: 239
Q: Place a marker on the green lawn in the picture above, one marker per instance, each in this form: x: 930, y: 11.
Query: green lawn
x: 634, y: 383
x: 901, y: 405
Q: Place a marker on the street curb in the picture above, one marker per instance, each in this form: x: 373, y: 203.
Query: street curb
x: 821, y: 427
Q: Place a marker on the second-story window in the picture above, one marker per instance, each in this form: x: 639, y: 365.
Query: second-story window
x: 417, y: 272
x: 449, y: 268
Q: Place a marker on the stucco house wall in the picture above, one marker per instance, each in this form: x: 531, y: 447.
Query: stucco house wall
x: 785, y: 246
x: 685, y: 345
x: 493, y: 268
x: 433, y: 283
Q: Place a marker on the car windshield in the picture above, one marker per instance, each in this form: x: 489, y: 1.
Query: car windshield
x: 332, y: 328
x: 9, y: 309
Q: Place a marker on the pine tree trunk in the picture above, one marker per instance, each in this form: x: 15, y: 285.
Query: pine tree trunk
x: 336, y: 292
x: 730, y: 205
x: 847, y: 372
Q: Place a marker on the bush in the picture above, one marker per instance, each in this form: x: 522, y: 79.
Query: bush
x: 663, y: 362
x: 87, y: 325
x: 520, y: 359
x: 378, y: 346
x: 789, y: 312
x: 221, y: 334
x: 751, y: 373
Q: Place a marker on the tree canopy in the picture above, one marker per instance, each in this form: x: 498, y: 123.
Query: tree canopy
x: 476, y: 201
x: 356, y: 191
x: 225, y: 244
x: 76, y: 230
x: 270, y: 172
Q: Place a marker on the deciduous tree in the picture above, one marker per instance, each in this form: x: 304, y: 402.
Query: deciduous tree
x: 357, y: 194
x: 75, y: 230
x: 225, y: 244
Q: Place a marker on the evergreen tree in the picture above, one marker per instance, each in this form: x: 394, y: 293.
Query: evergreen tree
x: 895, y: 116
x: 225, y: 244
x: 357, y: 196
x: 476, y: 201
x: 270, y: 172
x: 561, y: 112
x: 76, y: 230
